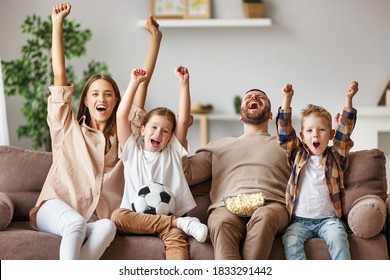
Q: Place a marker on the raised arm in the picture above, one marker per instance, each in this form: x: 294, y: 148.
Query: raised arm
x: 60, y: 12
x: 150, y: 61
x: 183, y: 119
x: 352, y: 90
x: 342, y: 140
x: 123, y: 127
x: 287, y: 136
x: 288, y: 93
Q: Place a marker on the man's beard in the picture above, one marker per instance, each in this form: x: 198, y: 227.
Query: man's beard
x: 255, y: 118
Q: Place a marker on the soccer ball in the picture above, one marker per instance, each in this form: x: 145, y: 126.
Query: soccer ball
x: 155, y: 199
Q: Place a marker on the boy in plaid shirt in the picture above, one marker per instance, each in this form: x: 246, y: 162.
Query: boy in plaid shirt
x: 315, y: 195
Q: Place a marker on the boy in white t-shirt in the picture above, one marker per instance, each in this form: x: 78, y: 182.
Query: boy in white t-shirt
x: 315, y: 194
x: 158, y: 159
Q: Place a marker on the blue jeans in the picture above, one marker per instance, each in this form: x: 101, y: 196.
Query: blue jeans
x: 331, y: 230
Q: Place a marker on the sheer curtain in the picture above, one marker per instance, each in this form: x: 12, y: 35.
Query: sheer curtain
x: 4, y: 136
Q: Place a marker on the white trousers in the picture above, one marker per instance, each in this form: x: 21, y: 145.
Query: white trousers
x: 80, y: 240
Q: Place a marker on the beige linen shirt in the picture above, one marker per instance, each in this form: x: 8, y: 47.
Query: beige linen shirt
x: 81, y: 175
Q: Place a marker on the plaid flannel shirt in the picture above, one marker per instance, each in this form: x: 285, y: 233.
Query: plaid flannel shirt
x: 334, y: 160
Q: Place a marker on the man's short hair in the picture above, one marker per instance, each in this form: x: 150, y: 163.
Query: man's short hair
x: 259, y: 90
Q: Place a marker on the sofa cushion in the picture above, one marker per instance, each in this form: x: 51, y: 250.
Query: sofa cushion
x: 367, y: 216
x: 6, y: 210
x: 365, y: 175
x: 19, y: 241
x: 26, y: 171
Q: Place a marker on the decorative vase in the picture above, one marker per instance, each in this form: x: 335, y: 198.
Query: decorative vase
x: 253, y: 10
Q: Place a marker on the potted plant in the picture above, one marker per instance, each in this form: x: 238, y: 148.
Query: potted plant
x: 237, y: 104
x: 31, y: 75
x: 253, y: 8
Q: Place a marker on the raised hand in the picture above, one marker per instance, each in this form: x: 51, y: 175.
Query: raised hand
x: 152, y: 26
x: 182, y: 73
x: 353, y: 89
x: 139, y: 75
x: 61, y: 11
x: 288, y: 93
x: 337, y: 120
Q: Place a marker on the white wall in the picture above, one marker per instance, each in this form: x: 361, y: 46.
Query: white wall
x: 319, y: 46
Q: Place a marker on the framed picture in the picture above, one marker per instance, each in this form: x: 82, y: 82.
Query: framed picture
x: 198, y: 9
x: 177, y: 9
x: 168, y: 8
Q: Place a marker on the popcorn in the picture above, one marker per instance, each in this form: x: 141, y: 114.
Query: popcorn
x: 244, y: 204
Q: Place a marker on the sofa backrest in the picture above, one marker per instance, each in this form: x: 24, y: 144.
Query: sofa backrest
x: 23, y: 173
x: 366, y: 174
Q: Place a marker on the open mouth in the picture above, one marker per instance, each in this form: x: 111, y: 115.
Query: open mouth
x: 316, y: 145
x: 155, y: 143
x: 253, y: 105
x: 101, y: 108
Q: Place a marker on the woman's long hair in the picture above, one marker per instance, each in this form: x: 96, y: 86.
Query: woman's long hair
x: 110, y: 128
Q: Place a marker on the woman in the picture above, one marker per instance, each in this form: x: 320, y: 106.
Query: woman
x: 85, y: 182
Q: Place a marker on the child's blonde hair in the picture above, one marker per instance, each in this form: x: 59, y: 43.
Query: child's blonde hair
x: 316, y: 111
x: 161, y: 111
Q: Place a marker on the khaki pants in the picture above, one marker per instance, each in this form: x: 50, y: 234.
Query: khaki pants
x: 252, y: 238
x: 176, y: 246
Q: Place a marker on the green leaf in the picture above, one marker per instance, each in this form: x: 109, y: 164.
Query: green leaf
x: 31, y: 75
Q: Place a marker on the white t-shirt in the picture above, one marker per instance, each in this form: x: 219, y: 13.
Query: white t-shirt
x: 142, y: 167
x: 313, y: 194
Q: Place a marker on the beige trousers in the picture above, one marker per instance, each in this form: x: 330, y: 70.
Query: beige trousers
x: 236, y: 238
x: 176, y: 246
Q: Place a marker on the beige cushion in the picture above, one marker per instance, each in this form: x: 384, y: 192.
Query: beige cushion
x: 367, y: 216
x: 6, y: 210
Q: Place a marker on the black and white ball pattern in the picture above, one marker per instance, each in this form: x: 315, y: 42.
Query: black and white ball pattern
x: 154, y: 198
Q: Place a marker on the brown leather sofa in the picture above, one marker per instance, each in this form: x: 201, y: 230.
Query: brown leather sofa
x: 22, y: 174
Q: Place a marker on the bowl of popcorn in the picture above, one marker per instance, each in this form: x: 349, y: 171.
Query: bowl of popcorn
x: 244, y: 204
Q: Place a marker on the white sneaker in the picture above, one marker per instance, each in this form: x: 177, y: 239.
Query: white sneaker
x: 192, y: 226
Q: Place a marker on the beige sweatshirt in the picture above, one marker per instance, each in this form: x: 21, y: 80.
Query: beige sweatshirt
x: 248, y: 164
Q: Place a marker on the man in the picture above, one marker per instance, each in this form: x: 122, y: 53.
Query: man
x: 251, y: 163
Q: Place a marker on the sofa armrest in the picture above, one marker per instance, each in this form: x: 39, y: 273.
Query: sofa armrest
x: 6, y: 210
x: 367, y: 216
x: 387, y: 224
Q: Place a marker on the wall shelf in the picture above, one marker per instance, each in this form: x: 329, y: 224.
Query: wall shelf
x: 204, y: 123
x: 186, y: 23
